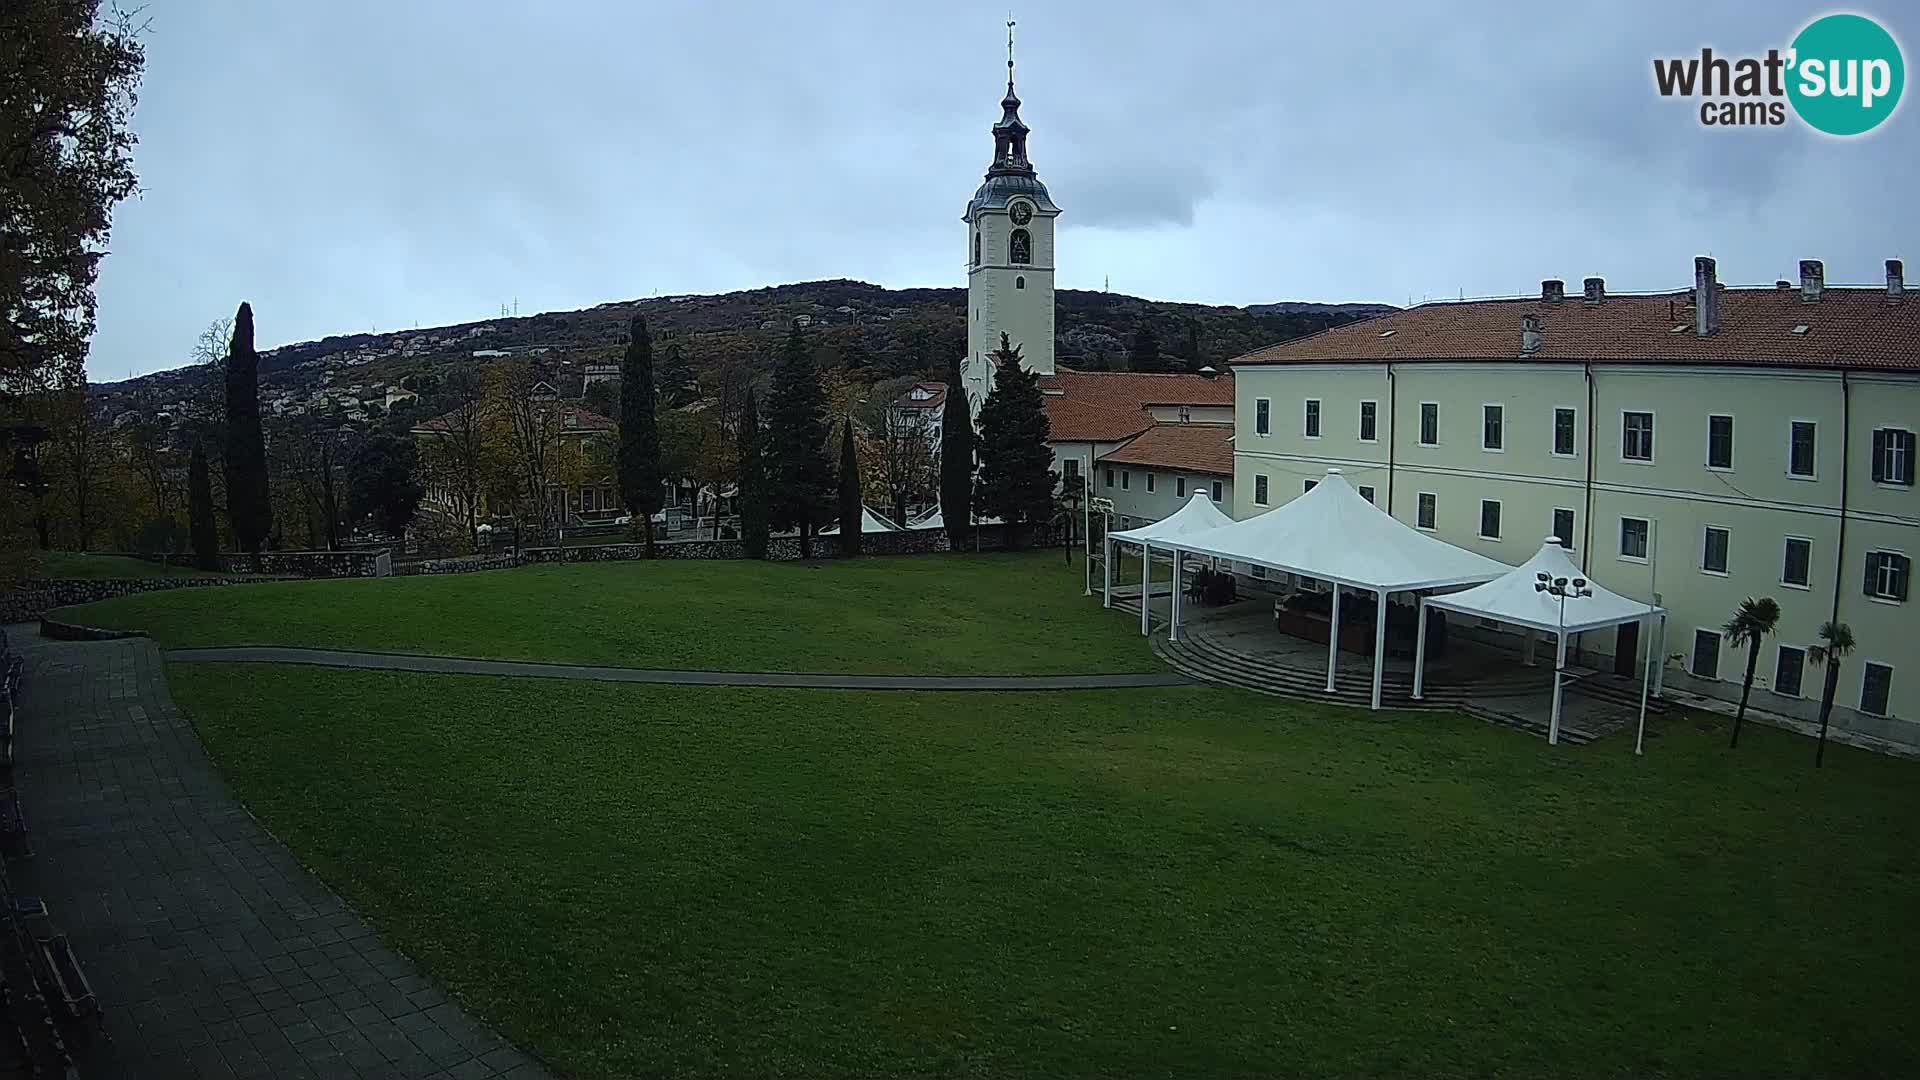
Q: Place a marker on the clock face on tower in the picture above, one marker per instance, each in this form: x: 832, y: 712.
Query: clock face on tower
x: 1022, y: 213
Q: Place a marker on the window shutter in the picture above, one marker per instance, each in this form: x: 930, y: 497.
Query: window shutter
x: 1873, y: 563
x: 1905, y: 440
x: 1880, y: 456
x: 1905, y: 575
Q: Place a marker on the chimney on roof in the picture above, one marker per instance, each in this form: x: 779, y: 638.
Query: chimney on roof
x: 1530, y: 335
x: 1813, y: 278
x: 1706, y: 297
x: 1896, y: 280
x: 1553, y: 290
x: 1208, y: 372
x: 1596, y: 290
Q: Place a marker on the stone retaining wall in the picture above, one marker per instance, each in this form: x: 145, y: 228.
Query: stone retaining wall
x: 779, y: 549
x: 311, y: 564
x: 35, y: 598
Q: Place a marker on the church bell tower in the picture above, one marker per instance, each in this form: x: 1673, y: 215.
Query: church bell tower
x: 1009, y: 253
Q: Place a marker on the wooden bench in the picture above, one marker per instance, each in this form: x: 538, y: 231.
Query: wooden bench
x: 60, y: 975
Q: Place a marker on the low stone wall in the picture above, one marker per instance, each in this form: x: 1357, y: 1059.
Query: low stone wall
x: 35, y: 598
x: 311, y: 564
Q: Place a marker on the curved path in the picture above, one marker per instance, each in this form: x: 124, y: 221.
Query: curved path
x: 454, y: 665
x: 214, y: 953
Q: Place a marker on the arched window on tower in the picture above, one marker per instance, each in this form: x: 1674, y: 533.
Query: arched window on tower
x: 1020, y: 248
x: 976, y: 247
x: 1020, y: 283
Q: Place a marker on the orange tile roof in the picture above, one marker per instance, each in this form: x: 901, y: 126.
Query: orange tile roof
x: 1070, y: 419
x: 1138, y: 389
x: 1857, y: 328
x: 1203, y: 448
x: 936, y: 401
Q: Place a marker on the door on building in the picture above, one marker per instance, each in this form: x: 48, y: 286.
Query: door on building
x: 1626, y: 649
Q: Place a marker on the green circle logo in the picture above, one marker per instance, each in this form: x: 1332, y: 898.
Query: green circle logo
x: 1846, y: 74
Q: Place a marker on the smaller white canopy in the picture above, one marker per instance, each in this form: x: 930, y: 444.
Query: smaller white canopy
x: 1198, y: 515
x: 1333, y: 532
x: 1512, y: 598
x: 934, y: 519
x: 870, y: 522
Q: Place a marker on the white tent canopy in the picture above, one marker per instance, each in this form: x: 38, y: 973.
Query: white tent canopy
x: 1334, y: 533
x: 1525, y: 596
x: 1198, y: 515
x: 870, y: 522
x: 936, y: 519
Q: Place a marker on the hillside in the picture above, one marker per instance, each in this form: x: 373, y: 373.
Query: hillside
x: 885, y: 332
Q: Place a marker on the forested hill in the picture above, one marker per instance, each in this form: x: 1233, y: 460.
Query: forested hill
x: 887, y: 332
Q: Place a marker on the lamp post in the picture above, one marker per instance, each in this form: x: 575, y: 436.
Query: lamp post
x: 1560, y: 588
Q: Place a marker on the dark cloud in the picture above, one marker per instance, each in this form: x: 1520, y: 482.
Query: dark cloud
x: 366, y: 164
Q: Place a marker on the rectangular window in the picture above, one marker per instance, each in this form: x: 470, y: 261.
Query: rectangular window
x: 1887, y: 574
x: 1179, y: 487
x: 1636, y: 436
x: 1369, y: 421
x: 1260, y: 490
x: 1705, y: 662
x: 1563, y: 429
x: 1719, y: 442
x: 1428, y: 511
x: 1800, y: 449
x: 1713, y: 554
x: 1788, y: 667
x: 1256, y: 571
x: 1109, y: 476
x: 1489, y: 519
x: 1633, y: 538
x: 1309, y: 486
x: 1126, y: 478
x: 1262, y: 417
x: 1216, y: 491
x: 1798, y: 565
x: 1149, y: 481
x: 1366, y: 492
x: 1313, y: 418
x: 1429, y: 423
x: 1876, y: 687
x: 1893, y: 456
x: 1493, y: 420
x: 1563, y: 526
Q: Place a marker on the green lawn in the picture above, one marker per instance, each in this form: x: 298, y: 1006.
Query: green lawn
x: 935, y: 614
x: 702, y: 881
x: 81, y: 564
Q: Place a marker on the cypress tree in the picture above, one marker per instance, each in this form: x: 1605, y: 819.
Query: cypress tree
x: 206, y: 539
x: 639, y: 462
x: 850, y: 506
x: 1016, y: 474
x: 249, y: 506
x: 799, y: 473
x: 1146, y: 351
x: 753, y: 482
x: 956, y: 460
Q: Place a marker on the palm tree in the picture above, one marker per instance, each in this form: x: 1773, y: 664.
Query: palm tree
x: 1836, y: 641
x: 1753, y: 620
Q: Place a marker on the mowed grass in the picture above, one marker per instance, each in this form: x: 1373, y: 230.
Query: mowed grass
x: 935, y: 614
x: 655, y: 881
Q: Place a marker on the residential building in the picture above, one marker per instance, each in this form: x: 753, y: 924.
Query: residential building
x: 919, y: 410
x: 1155, y: 473
x: 1094, y: 413
x: 580, y: 437
x: 1695, y: 448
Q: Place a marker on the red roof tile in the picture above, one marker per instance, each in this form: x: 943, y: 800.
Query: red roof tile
x: 1203, y: 448
x: 1073, y: 420
x: 1136, y: 389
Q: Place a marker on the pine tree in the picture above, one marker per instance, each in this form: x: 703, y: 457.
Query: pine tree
x: 639, y: 464
x: 206, y: 537
x: 249, y: 505
x: 799, y: 473
x: 850, y: 507
x: 956, y: 460
x: 1146, y: 350
x: 674, y: 379
x: 1016, y: 475
x: 753, y: 482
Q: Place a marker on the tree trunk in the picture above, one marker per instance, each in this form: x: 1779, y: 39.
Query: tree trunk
x: 1826, y: 708
x: 1746, y: 690
x: 806, y: 540
x: 648, y: 526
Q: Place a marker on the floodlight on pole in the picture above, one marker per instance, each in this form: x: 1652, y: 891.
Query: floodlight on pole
x: 1559, y: 588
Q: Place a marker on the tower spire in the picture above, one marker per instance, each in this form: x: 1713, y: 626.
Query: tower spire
x: 1009, y: 53
x: 1010, y: 134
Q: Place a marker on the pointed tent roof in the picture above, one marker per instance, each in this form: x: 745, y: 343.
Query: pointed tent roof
x: 1333, y: 532
x: 1198, y: 515
x: 1512, y: 598
x: 934, y: 519
x: 870, y: 522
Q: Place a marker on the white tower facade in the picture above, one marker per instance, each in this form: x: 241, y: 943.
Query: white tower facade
x: 1010, y: 255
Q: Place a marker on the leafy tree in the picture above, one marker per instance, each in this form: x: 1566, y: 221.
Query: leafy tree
x: 384, y: 483
x: 206, y: 541
x: 850, y: 507
x: 640, y: 479
x: 1836, y: 641
x: 602, y: 397
x: 753, y: 480
x: 463, y: 449
x: 1016, y: 474
x: 957, y: 440
x: 249, y: 505
x: 674, y: 379
x: 1753, y: 620
x: 798, y: 470
x: 1146, y: 351
x: 68, y: 81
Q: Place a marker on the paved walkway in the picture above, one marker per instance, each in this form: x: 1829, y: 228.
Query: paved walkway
x: 213, y: 952
x: 453, y: 665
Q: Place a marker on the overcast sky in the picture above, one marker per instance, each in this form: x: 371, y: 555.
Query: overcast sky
x: 367, y: 164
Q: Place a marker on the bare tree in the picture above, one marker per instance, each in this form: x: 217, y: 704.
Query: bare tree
x: 81, y: 445
x: 454, y: 458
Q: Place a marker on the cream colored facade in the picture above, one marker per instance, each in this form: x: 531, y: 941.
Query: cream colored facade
x: 1756, y: 499
x: 1008, y: 296
x: 1143, y: 494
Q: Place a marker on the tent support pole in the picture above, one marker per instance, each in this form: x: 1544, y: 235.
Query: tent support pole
x: 1333, y: 638
x: 1646, y: 680
x: 1379, y: 643
x: 1106, y: 571
x: 1660, y: 668
x: 1559, y: 665
x: 1173, y: 634
x: 1146, y: 590
x: 1420, y: 652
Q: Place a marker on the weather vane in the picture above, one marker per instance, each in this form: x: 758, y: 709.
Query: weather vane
x: 1009, y: 46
